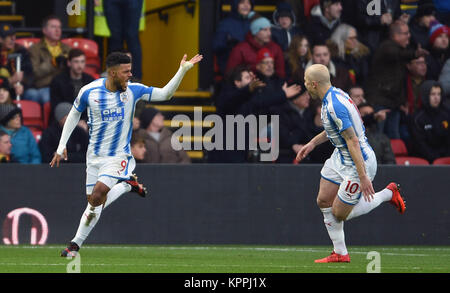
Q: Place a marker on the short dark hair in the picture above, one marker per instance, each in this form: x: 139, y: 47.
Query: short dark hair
x: 2, y: 133
x: 74, y: 53
x: 236, y: 73
x: 135, y: 139
x: 117, y: 58
x: 365, y: 104
x: 48, y: 18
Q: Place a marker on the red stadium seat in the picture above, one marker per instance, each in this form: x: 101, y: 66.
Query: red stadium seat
x: 308, y: 5
x: 407, y: 161
x: 27, y: 42
x: 89, y: 47
x: 31, y: 113
x: 399, y: 147
x: 47, y: 110
x: 442, y: 161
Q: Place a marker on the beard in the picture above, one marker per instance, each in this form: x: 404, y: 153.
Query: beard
x: 121, y: 88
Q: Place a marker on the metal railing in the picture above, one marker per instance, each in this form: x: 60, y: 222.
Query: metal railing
x: 189, y: 5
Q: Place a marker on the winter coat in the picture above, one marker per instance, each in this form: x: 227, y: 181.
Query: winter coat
x: 280, y: 35
x: 430, y: 128
x: 76, y: 146
x: 319, y: 29
x: 387, y: 76
x: 370, y: 30
x: 62, y: 90
x: 43, y: 68
x: 435, y: 62
x: 246, y: 53
x: 230, y: 31
x: 24, y: 147
x: 161, y: 151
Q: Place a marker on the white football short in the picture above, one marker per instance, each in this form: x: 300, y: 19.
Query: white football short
x: 347, y: 177
x: 108, y: 170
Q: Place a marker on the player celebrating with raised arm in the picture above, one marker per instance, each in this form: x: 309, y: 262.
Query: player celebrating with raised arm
x: 350, y: 170
x: 110, y: 104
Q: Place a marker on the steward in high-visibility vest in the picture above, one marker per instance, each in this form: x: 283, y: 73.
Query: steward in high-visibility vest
x: 100, y: 24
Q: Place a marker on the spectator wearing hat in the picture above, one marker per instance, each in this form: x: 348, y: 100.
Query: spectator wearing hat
x: 5, y: 147
x: 48, y: 58
x: 5, y: 91
x: 259, y: 37
x: 66, y: 85
x: 285, y: 26
x: 158, y: 139
x: 420, y: 23
x: 324, y: 20
x: 439, y: 49
x: 78, y: 141
x: 9, y: 52
x: 232, y: 30
x: 24, y: 147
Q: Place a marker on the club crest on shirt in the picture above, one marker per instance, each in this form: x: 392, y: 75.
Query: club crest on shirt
x: 124, y: 97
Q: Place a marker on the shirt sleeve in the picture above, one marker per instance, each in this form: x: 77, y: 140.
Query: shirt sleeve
x: 141, y: 91
x: 81, y: 101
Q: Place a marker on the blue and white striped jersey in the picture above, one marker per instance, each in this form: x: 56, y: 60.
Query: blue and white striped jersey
x: 110, y: 116
x: 339, y: 113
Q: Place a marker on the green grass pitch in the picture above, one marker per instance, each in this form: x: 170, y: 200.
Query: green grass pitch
x: 220, y: 259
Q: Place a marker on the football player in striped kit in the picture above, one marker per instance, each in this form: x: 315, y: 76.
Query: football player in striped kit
x: 348, y: 173
x: 110, y: 103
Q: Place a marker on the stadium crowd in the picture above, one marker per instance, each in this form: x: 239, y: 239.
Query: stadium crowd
x: 395, y: 66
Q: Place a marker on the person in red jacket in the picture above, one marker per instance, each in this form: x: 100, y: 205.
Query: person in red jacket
x: 259, y: 37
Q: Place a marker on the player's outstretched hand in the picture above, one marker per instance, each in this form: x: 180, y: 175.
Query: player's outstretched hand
x: 57, y: 158
x: 197, y: 58
x: 304, y: 151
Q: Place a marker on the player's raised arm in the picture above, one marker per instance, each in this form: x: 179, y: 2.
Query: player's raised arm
x: 69, y: 126
x: 166, y: 93
x: 309, y: 147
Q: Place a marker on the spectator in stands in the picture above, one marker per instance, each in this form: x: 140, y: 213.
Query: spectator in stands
x: 356, y: 93
x: 444, y: 79
x: 324, y: 20
x: 430, y: 129
x: 415, y: 76
x: 138, y: 149
x: 374, y: 28
x: 158, y: 139
x: 285, y: 26
x: 24, y: 147
x: 123, y: 17
x: 340, y: 76
x: 66, y: 85
x: 48, y: 58
x: 349, y: 52
x: 10, y: 51
x: 420, y: 23
x: 5, y: 91
x: 380, y: 143
x: 78, y: 141
x: 439, y: 49
x: 298, y: 55
x: 5, y: 147
x: 231, y: 31
x: 296, y: 124
x: 384, y: 88
x: 235, y: 98
x: 276, y: 90
x: 259, y: 37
